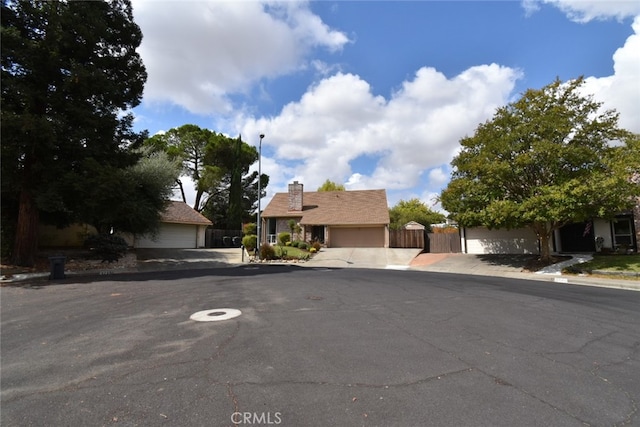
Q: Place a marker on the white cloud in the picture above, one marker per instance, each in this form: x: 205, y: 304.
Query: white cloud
x: 417, y: 128
x: 621, y: 91
x: 587, y: 10
x: 199, y: 52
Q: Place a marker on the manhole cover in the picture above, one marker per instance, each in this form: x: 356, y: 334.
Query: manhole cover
x: 215, y: 315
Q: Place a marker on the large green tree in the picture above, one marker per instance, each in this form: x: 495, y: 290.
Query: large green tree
x: 329, y: 185
x: 129, y: 200
x: 218, y: 165
x: 413, y: 210
x: 189, y: 144
x: 69, y: 71
x: 233, y: 199
x: 548, y: 159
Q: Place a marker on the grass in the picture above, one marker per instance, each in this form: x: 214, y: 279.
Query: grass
x: 612, y: 263
x: 291, y: 252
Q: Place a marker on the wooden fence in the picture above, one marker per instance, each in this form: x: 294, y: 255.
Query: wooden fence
x: 442, y: 243
x: 406, y: 239
x: 223, y: 238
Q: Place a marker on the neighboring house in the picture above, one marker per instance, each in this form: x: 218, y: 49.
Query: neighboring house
x: 180, y: 227
x: 621, y: 233
x: 336, y: 218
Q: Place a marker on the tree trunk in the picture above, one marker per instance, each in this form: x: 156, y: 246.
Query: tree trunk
x: 543, y: 232
x: 179, y: 182
x: 545, y: 254
x: 26, y: 241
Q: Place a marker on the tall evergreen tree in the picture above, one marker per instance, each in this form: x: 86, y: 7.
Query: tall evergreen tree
x: 69, y: 70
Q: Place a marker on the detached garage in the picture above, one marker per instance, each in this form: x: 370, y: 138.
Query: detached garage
x: 182, y: 228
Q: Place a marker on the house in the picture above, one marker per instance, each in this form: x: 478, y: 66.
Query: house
x: 336, y: 218
x: 180, y: 227
x: 620, y: 233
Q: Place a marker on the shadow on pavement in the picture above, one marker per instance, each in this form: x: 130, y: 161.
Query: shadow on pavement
x: 175, y: 274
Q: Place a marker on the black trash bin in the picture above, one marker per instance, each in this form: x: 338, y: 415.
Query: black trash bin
x: 57, y: 267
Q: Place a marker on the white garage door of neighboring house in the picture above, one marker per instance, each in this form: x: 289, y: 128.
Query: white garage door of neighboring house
x: 481, y: 240
x: 171, y: 236
x: 356, y: 237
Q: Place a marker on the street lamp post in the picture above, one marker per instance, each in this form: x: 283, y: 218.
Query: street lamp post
x: 259, y: 191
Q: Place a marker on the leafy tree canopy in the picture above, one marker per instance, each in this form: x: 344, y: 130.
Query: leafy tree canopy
x: 331, y: 186
x: 219, y: 167
x: 413, y: 210
x: 69, y: 70
x: 550, y: 158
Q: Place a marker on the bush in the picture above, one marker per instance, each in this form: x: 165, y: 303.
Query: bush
x: 250, y: 242
x: 303, y: 246
x: 250, y: 228
x: 284, y: 237
x: 295, y: 243
x: 107, y: 247
x: 313, y: 250
x: 267, y: 252
x: 316, y: 245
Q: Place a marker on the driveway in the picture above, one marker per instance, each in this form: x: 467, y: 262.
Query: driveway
x: 390, y: 258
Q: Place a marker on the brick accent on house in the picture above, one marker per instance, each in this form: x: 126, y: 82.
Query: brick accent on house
x: 295, y: 197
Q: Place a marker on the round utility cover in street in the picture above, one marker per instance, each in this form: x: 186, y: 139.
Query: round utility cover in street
x: 215, y: 315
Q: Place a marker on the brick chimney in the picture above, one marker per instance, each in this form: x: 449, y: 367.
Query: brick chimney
x: 295, y: 197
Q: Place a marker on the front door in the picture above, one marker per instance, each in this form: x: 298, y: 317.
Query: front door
x: 317, y: 233
x: 577, y: 237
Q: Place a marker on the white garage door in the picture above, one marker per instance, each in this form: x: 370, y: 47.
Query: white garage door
x: 171, y: 236
x: 481, y: 240
x: 356, y: 237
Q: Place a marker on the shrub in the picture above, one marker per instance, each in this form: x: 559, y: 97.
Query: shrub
x: 316, y: 245
x: 284, y: 237
x: 303, y: 245
x: 107, y: 247
x: 250, y: 242
x: 295, y: 243
x: 313, y: 250
x: 250, y: 228
x: 267, y: 252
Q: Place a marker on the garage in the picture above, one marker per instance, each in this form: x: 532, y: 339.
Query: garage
x: 181, y: 227
x: 480, y: 240
x: 171, y: 236
x: 357, y: 237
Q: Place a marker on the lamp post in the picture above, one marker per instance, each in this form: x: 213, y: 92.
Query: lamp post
x: 259, y: 191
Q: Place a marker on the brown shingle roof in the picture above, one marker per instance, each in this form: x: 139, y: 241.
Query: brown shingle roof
x: 181, y: 213
x: 334, y: 207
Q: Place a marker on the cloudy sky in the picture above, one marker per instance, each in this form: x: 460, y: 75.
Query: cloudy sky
x: 374, y: 94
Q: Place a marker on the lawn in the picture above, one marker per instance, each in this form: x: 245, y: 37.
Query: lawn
x: 291, y: 252
x: 612, y: 263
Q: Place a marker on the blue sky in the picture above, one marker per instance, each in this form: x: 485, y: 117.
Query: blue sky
x: 374, y: 94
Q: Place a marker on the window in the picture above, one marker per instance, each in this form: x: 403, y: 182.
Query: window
x: 622, y: 232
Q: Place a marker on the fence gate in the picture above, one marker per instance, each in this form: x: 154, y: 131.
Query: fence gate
x: 215, y: 238
x: 442, y: 243
x: 406, y: 239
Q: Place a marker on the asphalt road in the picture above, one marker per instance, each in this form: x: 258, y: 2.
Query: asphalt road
x: 318, y: 347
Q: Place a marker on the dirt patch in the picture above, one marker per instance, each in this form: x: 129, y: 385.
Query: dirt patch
x: 76, y: 260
